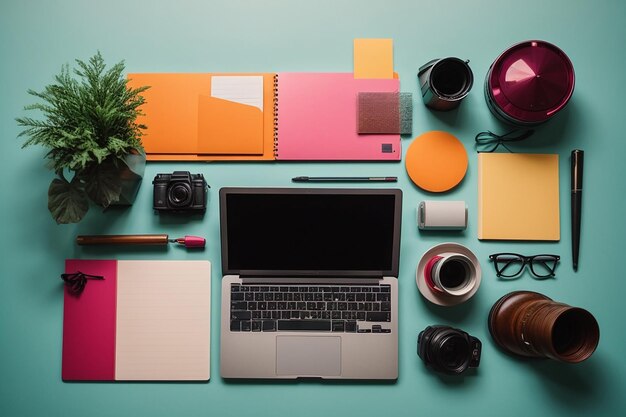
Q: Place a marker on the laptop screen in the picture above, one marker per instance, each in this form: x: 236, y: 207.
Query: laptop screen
x: 310, y: 232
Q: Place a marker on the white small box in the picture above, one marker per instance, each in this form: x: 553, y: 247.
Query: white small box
x: 442, y: 215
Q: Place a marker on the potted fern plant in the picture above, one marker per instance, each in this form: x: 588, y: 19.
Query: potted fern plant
x: 94, y: 143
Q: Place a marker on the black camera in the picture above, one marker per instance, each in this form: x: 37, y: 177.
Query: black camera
x: 448, y: 350
x: 180, y: 191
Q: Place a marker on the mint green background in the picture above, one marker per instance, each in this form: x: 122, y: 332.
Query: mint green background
x: 37, y: 37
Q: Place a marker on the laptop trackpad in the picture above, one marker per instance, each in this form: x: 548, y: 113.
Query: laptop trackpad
x: 308, y: 355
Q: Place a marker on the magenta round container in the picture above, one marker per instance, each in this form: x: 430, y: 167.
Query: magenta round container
x: 529, y: 83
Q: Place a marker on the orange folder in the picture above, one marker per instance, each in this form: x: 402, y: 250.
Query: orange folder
x: 226, y: 127
x: 184, y: 122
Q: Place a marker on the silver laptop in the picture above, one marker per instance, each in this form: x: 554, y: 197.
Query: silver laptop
x: 310, y: 283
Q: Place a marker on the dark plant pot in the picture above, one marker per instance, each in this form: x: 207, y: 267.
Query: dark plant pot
x: 131, y: 172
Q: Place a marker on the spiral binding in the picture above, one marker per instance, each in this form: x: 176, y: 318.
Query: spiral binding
x: 275, y: 115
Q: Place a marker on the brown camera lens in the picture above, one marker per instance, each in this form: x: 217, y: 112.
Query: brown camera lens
x: 530, y: 324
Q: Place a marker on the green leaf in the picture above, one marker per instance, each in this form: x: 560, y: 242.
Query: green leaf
x: 103, y: 183
x: 67, y: 201
x: 87, y: 114
x: 100, y: 154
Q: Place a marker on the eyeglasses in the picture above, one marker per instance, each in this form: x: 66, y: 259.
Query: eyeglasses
x: 509, y: 265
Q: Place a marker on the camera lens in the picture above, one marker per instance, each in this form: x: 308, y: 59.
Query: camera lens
x: 179, y: 195
x: 448, y: 350
x: 453, y: 353
x: 571, y: 334
x: 530, y: 324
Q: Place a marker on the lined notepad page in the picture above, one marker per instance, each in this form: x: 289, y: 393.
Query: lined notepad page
x: 244, y: 89
x: 163, y: 320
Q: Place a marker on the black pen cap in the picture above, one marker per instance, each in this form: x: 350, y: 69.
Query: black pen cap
x: 577, y: 160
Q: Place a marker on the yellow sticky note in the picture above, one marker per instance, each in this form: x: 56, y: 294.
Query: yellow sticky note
x: 518, y: 196
x: 373, y: 58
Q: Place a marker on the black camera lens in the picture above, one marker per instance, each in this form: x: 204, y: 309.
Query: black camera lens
x: 179, y: 195
x: 448, y: 350
x: 452, y: 353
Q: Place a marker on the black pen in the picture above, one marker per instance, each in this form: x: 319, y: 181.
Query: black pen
x: 344, y: 179
x: 577, y: 160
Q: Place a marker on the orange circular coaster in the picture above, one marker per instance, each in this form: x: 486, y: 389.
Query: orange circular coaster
x: 436, y: 161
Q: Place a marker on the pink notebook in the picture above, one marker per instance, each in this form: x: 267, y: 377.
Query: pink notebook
x: 317, y: 118
x: 89, y: 324
x: 145, y: 321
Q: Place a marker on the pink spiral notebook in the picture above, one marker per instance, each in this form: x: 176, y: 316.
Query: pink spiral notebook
x: 284, y: 116
x: 317, y: 118
x: 145, y: 321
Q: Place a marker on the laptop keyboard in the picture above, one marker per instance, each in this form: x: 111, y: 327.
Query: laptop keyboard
x: 331, y: 308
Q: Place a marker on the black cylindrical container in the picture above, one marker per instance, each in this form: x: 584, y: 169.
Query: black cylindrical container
x: 445, y: 82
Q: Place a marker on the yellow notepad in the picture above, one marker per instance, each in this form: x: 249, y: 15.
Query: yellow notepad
x: 518, y: 196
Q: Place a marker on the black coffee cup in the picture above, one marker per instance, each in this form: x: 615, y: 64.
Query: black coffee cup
x: 452, y: 274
